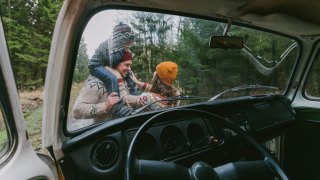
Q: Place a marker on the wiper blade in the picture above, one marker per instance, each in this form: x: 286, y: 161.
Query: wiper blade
x: 173, y: 98
x: 187, y: 97
x: 243, y: 87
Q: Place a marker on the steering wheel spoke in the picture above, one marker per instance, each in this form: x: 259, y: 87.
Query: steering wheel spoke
x: 151, y: 169
x: 259, y: 169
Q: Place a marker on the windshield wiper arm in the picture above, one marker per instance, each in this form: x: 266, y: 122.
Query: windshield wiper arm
x: 243, y: 87
x: 173, y: 98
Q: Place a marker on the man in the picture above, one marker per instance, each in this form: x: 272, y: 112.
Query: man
x: 95, y: 102
x: 129, y: 95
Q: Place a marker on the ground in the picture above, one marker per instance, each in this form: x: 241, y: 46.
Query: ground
x: 31, y: 103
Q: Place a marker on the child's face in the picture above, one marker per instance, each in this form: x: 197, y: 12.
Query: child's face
x: 124, y: 67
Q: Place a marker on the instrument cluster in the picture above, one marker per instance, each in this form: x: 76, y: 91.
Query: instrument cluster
x: 167, y: 141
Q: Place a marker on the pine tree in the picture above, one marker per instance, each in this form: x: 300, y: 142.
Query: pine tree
x: 81, y: 70
x: 152, y: 41
x: 29, y: 25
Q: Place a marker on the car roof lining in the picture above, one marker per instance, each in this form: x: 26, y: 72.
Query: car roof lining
x: 293, y: 17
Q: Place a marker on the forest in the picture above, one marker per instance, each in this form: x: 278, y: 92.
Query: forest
x: 267, y: 58
x: 29, y: 26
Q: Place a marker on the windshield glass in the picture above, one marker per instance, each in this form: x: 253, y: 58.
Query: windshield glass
x: 170, y: 58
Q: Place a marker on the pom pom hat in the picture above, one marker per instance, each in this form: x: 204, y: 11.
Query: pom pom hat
x: 167, y: 72
x: 122, y: 38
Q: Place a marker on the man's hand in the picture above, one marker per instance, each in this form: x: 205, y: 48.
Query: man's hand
x: 112, y: 99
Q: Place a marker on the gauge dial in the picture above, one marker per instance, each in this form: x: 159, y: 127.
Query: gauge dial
x: 147, y: 146
x: 195, y: 133
x: 172, y: 140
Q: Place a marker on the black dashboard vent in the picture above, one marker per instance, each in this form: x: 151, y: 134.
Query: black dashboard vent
x: 105, y: 153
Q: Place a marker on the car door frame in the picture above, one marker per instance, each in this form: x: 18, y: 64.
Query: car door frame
x: 300, y: 148
x: 65, y: 41
x: 16, y: 162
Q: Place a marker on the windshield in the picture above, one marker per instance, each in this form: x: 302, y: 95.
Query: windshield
x: 176, y: 49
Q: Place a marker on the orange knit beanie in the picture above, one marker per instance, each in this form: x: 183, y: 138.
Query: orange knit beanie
x: 167, y: 72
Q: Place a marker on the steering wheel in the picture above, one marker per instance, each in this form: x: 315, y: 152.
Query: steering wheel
x: 152, y: 169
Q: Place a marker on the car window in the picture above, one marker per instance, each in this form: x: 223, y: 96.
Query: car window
x: 263, y: 66
x: 7, y: 132
x: 4, y: 140
x: 312, y: 91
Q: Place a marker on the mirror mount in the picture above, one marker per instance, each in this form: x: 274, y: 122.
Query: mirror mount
x: 228, y: 25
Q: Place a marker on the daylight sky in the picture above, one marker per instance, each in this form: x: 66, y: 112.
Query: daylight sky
x: 100, y: 28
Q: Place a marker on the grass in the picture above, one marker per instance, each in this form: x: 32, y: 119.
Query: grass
x: 3, y: 138
x: 31, y: 103
x: 32, y: 110
x: 34, y: 126
x: 3, y: 132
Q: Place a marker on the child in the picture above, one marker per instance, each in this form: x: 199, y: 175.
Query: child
x: 110, y: 54
x: 161, y: 86
x: 121, y: 40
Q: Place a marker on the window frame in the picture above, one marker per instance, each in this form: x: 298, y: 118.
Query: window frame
x: 9, y: 122
x: 315, y: 58
x: 78, y: 34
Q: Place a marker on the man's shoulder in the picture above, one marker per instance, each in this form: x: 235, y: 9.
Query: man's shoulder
x: 94, y: 83
x: 91, y: 79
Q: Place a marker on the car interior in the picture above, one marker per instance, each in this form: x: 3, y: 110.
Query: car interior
x: 248, y: 77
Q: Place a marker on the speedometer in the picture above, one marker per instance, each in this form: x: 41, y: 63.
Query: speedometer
x: 172, y: 140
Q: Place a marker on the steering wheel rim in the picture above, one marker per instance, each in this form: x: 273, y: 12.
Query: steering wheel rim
x: 129, y: 164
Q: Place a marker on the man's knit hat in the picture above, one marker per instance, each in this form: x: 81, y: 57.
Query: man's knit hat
x: 167, y: 72
x: 120, y: 56
x: 126, y: 56
x: 122, y: 37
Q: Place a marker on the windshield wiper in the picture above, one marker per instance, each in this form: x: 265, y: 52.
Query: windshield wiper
x: 173, y: 98
x: 243, y: 87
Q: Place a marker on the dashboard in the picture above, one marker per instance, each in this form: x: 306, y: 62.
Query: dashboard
x: 100, y: 152
x: 173, y: 140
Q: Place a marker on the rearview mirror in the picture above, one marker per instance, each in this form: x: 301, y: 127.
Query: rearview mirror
x: 226, y: 42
